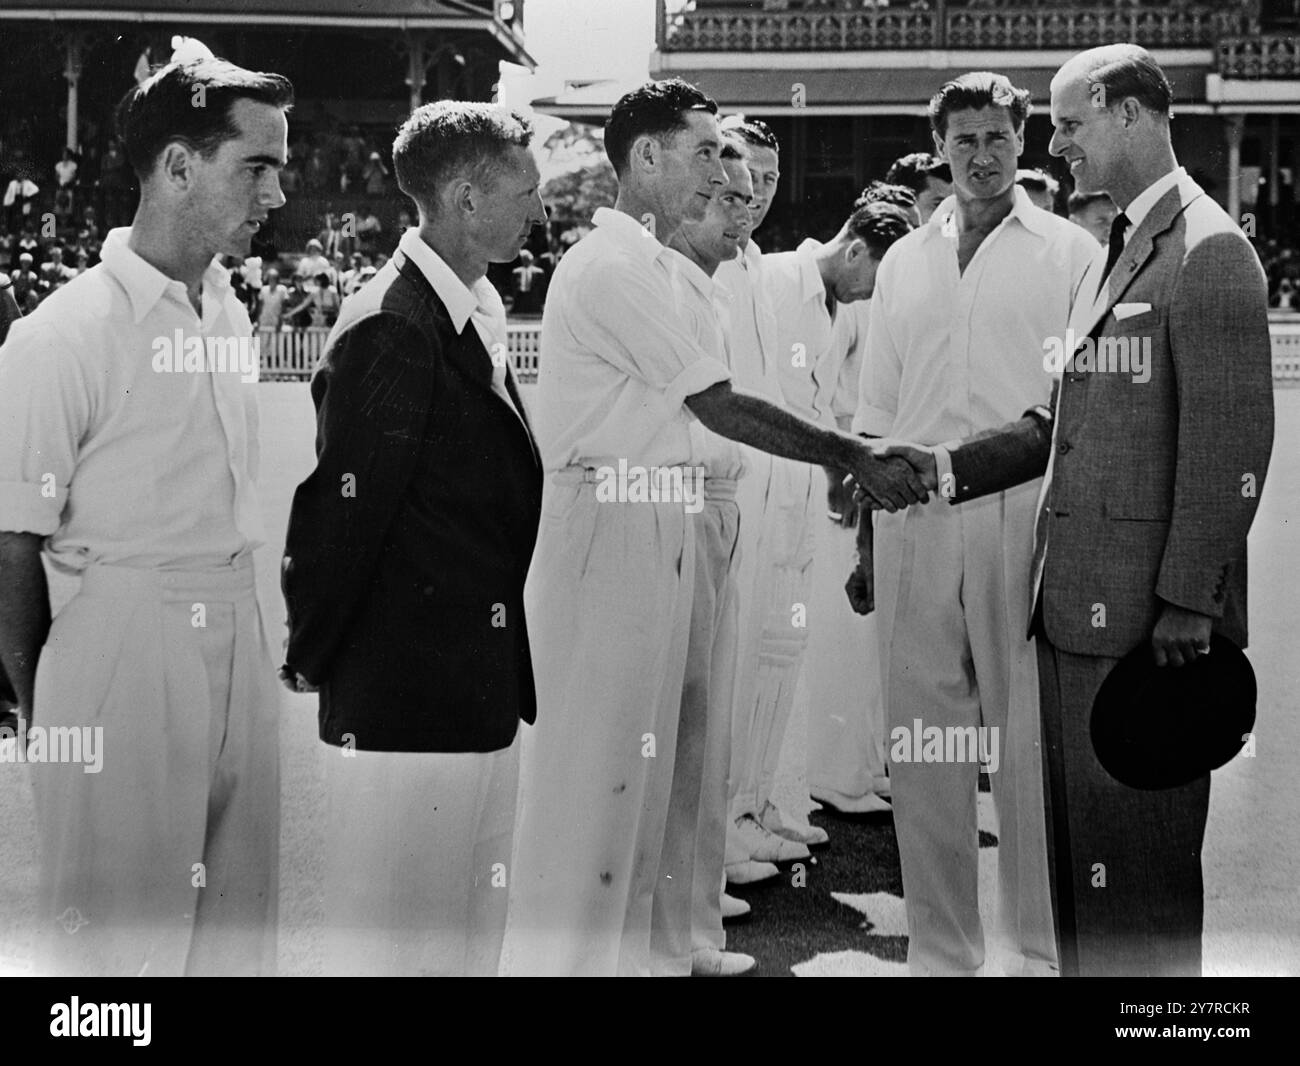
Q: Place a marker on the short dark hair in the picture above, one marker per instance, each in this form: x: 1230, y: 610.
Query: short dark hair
x: 191, y: 102
x: 753, y: 131
x: 882, y: 192
x: 978, y: 89
x: 879, y: 224
x: 916, y: 169
x: 1079, y: 200
x: 732, y: 149
x: 1039, y: 180
x: 450, y: 138
x: 1125, y: 70
x: 655, y: 109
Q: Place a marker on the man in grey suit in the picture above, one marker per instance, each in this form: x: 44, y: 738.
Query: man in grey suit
x: 1155, y: 453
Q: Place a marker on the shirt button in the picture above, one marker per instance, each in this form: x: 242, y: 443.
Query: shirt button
x: 1063, y: 447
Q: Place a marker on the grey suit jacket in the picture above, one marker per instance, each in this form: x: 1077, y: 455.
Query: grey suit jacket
x: 1154, y: 483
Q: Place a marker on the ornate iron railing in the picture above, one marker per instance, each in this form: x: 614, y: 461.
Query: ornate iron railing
x: 1273, y: 56
x: 722, y: 29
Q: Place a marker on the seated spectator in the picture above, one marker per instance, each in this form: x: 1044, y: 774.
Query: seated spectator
x: 1094, y: 211
x: 26, y: 284
x: 1041, y: 187
x: 28, y: 243
x: 55, y: 271
x: 314, y: 262
x: 348, y: 278
x: 271, y: 301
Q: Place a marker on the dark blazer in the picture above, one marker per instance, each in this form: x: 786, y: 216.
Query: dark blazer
x: 1154, y: 483
x: 409, y: 543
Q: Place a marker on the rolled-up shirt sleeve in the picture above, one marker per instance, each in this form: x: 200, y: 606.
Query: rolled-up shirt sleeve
x: 622, y: 318
x: 44, y: 414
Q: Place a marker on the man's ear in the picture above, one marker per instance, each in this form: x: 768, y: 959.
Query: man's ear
x: 938, y: 145
x: 644, y: 155
x: 1129, y: 111
x: 175, y: 166
x: 459, y: 197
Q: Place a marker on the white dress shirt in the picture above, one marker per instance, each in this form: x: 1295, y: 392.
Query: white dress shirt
x: 1149, y: 197
x: 617, y: 362
x: 797, y: 293
x: 480, y: 304
x: 706, y: 307
x: 114, y: 461
x: 951, y: 353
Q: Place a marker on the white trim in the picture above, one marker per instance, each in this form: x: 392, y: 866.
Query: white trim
x: 1236, y: 95
x: 911, y: 59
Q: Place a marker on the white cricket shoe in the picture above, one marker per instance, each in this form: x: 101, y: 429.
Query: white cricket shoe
x: 764, y: 845
x: 733, y: 908
x: 710, y: 962
x: 786, y: 826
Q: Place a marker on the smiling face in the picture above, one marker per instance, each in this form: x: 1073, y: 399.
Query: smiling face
x: 235, y: 188
x: 690, y: 167
x: 509, y: 207
x: 1087, y: 136
x: 981, y: 147
x: 765, y: 173
x: 727, y: 222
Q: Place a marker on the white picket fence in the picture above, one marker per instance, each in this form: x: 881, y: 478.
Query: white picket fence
x: 292, y: 355
x: 1286, y: 350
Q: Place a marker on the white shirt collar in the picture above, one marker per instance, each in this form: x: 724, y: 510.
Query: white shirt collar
x: 1022, y: 210
x: 145, y: 283
x: 459, y: 300
x: 693, y: 274
x: 1144, y: 201
x: 628, y: 232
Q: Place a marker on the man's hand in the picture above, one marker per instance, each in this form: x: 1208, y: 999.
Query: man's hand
x: 861, y: 588
x: 919, y: 458
x: 1180, y: 636
x: 886, y: 483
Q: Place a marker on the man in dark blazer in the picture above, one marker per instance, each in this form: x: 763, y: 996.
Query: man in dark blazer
x: 1155, y: 452
x: 405, y: 562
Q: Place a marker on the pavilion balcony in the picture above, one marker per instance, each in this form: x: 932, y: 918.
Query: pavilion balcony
x: 791, y: 26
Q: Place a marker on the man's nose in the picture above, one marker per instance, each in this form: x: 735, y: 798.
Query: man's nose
x: 719, y: 176
x: 277, y: 197
x: 1056, y: 146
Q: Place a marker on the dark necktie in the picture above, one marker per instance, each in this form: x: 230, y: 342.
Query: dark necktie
x: 1117, y: 229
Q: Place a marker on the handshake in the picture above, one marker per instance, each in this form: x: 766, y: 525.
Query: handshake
x: 891, y: 475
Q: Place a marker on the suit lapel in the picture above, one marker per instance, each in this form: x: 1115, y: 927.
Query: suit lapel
x: 1134, y: 257
x: 465, y: 350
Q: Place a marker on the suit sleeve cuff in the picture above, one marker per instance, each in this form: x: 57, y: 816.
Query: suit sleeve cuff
x: 943, y: 470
